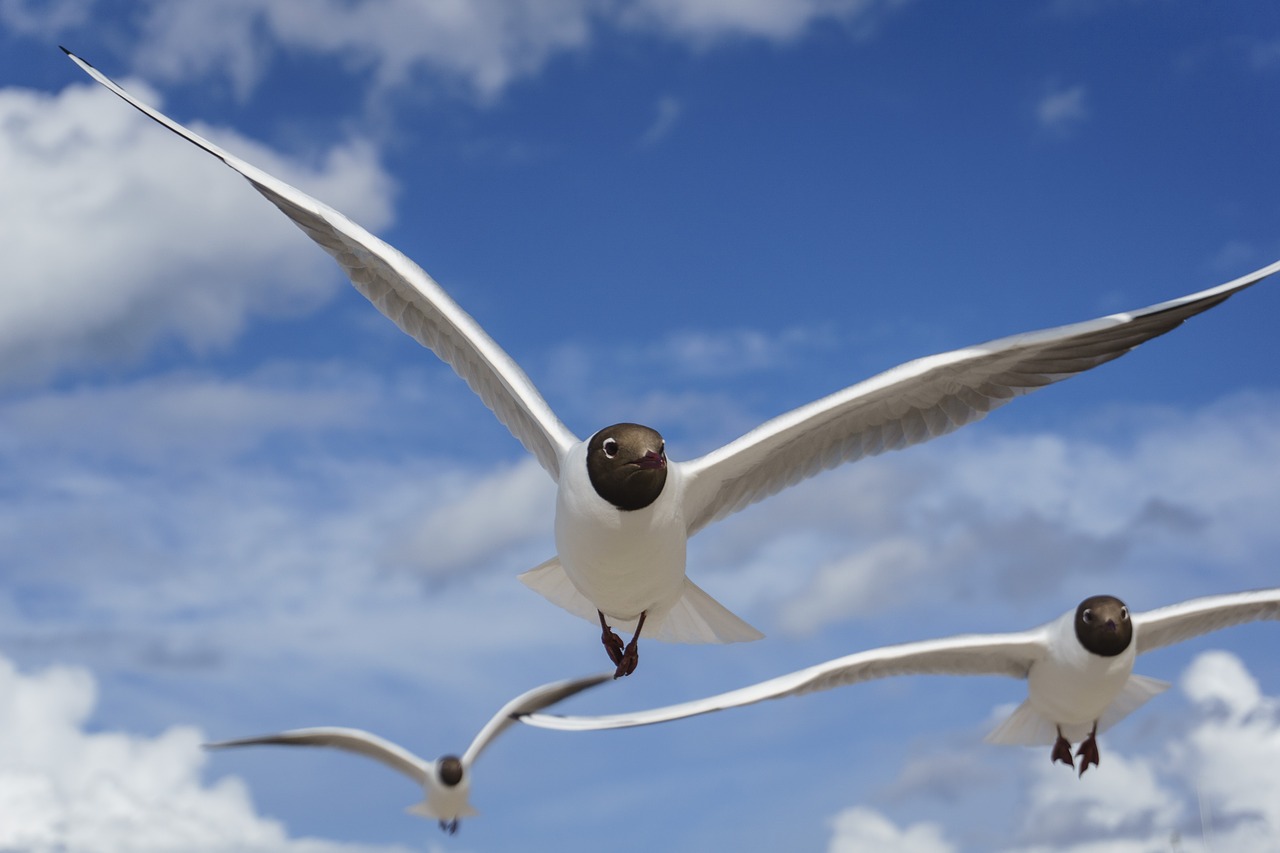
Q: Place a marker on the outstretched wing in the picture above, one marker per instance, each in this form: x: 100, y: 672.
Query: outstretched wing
x: 402, y: 291
x: 527, y: 703
x: 920, y: 400
x: 1177, y: 622
x: 351, y: 740
x: 994, y: 654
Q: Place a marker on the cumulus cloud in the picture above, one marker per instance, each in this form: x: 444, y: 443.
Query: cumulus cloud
x: 859, y: 828
x: 1206, y: 783
x: 65, y: 787
x: 107, y: 216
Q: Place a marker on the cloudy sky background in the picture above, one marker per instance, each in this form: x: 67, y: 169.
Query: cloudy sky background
x: 235, y: 499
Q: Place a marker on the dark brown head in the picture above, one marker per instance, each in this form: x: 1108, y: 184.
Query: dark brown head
x: 1103, y: 626
x: 627, y: 464
x: 449, y: 769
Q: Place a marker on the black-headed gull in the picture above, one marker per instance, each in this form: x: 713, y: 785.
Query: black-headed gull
x: 1079, y: 670
x: 446, y: 782
x: 624, y: 513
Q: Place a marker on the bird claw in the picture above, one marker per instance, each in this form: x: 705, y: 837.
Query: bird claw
x: 1088, y: 753
x: 1062, y: 752
x: 450, y: 826
x: 627, y: 661
x: 613, y: 645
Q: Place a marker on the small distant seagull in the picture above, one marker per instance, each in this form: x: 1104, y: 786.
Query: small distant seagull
x: 624, y: 513
x: 1079, y: 670
x: 446, y: 782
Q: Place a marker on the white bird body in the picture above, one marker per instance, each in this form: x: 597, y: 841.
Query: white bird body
x: 611, y: 563
x: 623, y: 562
x: 1069, y: 686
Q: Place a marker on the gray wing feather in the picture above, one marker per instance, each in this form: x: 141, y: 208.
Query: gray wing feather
x: 1177, y: 622
x: 527, y: 703
x: 402, y: 291
x: 349, y: 740
x: 995, y: 654
x: 921, y: 400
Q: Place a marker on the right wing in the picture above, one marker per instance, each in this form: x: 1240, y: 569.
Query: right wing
x: 350, y: 740
x: 404, y: 292
x: 527, y: 703
x: 976, y: 654
x: 1177, y: 622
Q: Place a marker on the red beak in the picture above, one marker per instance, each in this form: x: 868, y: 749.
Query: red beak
x: 652, y: 460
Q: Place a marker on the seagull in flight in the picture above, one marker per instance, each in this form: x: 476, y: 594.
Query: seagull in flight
x: 1078, y: 669
x: 446, y: 782
x: 624, y: 511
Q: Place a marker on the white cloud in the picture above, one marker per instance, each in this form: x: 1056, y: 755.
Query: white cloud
x: 859, y: 829
x: 64, y: 787
x: 482, y: 46
x: 106, y: 216
x: 1026, y: 518
x: 1062, y: 108
x: 44, y: 18
x: 1206, y: 782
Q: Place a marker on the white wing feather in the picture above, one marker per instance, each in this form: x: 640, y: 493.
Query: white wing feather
x: 1177, y: 622
x: 920, y: 400
x: 403, y: 291
x: 993, y: 654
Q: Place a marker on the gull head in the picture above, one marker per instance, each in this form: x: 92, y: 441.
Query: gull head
x: 1103, y: 625
x: 627, y: 465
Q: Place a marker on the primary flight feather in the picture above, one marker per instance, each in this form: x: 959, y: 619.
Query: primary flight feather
x: 624, y: 512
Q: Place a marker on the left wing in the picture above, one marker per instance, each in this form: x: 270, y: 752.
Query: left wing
x: 1177, y: 622
x: 349, y: 740
x: 977, y: 654
x: 920, y: 400
x: 402, y: 291
x: 527, y: 703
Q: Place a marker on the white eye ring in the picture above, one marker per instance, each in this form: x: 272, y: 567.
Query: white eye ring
x: 610, y: 447
x: 1087, y: 616
x: 1124, y: 613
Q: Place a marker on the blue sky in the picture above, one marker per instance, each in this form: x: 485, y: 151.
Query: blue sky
x: 237, y: 500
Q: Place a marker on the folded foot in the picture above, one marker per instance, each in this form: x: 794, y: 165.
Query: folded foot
x: 630, y: 656
x: 1088, y: 750
x: 1062, y: 751
x: 612, y: 643
x: 450, y: 826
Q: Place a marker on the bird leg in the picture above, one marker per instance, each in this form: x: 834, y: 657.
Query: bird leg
x: 612, y: 642
x: 631, y: 656
x: 1088, y: 750
x: 450, y: 826
x: 1062, y: 752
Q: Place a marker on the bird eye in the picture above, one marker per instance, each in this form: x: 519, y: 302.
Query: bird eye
x: 610, y: 447
x: 1087, y: 616
x: 1124, y: 613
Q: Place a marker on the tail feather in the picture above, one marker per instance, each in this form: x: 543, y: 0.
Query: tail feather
x: 1027, y: 727
x: 696, y: 617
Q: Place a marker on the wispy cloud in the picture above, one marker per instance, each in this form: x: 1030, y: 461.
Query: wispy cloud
x: 669, y: 110
x: 1062, y: 108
